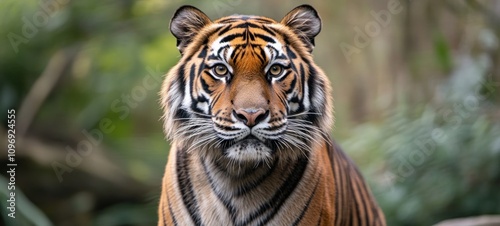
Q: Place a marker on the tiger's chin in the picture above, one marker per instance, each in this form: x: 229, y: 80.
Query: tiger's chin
x: 249, y: 150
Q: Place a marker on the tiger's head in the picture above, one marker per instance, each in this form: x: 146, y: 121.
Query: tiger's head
x: 246, y: 87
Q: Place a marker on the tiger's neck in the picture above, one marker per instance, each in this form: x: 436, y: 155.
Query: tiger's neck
x: 239, y: 179
x: 250, y: 192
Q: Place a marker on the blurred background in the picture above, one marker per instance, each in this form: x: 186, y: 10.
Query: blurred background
x: 416, y: 87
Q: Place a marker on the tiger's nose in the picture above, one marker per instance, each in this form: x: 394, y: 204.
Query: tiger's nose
x: 250, y: 116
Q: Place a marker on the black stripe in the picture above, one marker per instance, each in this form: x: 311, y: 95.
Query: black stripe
x: 236, y: 51
x: 286, y: 38
x: 341, y: 194
x: 303, y: 79
x: 284, y: 77
x: 250, y: 186
x: 226, y: 29
x: 236, y: 54
x: 214, y: 31
x: 261, y: 54
x: 251, y: 35
x: 222, y: 49
x: 362, y: 190
x: 281, y: 194
x: 215, y: 99
x: 287, y: 188
x: 203, y: 53
x: 348, y: 192
x: 212, y: 57
x: 320, y: 216
x: 200, y: 68
x: 186, y: 187
x: 227, y: 203
x: 182, y: 114
x: 280, y: 57
x: 171, y: 214
x: 254, y: 25
x: 337, y: 177
x: 247, y: 25
x: 182, y: 82
x: 290, y: 53
x: 204, y: 86
x: 268, y: 30
x: 230, y: 38
x: 220, y: 167
x: 265, y: 38
x: 243, y: 53
x: 217, y: 112
x: 356, y: 213
x: 302, y: 58
x: 314, y: 118
x: 189, y: 57
x: 248, y: 172
x: 192, y: 76
x: 307, y: 205
x: 201, y: 98
x: 207, y: 36
x: 361, y: 204
x: 245, y: 35
x: 277, y: 31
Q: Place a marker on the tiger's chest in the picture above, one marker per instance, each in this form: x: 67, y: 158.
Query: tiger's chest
x: 262, y: 194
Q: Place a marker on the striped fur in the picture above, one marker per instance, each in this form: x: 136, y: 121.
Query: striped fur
x: 248, y: 113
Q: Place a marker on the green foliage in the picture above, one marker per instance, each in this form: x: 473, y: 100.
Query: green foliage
x: 117, y: 47
x: 438, y: 163
x: 442, y: 52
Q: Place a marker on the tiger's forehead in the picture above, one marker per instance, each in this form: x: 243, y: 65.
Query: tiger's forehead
x: 239, y: 32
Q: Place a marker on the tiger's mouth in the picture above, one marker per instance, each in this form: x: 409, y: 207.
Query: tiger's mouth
x: 251, y: 138
x: 249, y: 149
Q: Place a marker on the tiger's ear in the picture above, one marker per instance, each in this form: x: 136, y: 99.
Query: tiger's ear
x: 305, y: 21
x: 186, y: 23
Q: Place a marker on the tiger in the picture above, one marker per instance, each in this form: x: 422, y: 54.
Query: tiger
x: 248, y: 115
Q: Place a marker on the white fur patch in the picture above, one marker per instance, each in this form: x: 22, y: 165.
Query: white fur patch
x: 250, y: 150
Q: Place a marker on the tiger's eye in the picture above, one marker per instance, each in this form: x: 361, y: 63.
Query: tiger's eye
x: 220, y: 70
x: 275, y: 70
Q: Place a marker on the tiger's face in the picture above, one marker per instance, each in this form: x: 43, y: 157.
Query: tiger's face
x: 246, y: 87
